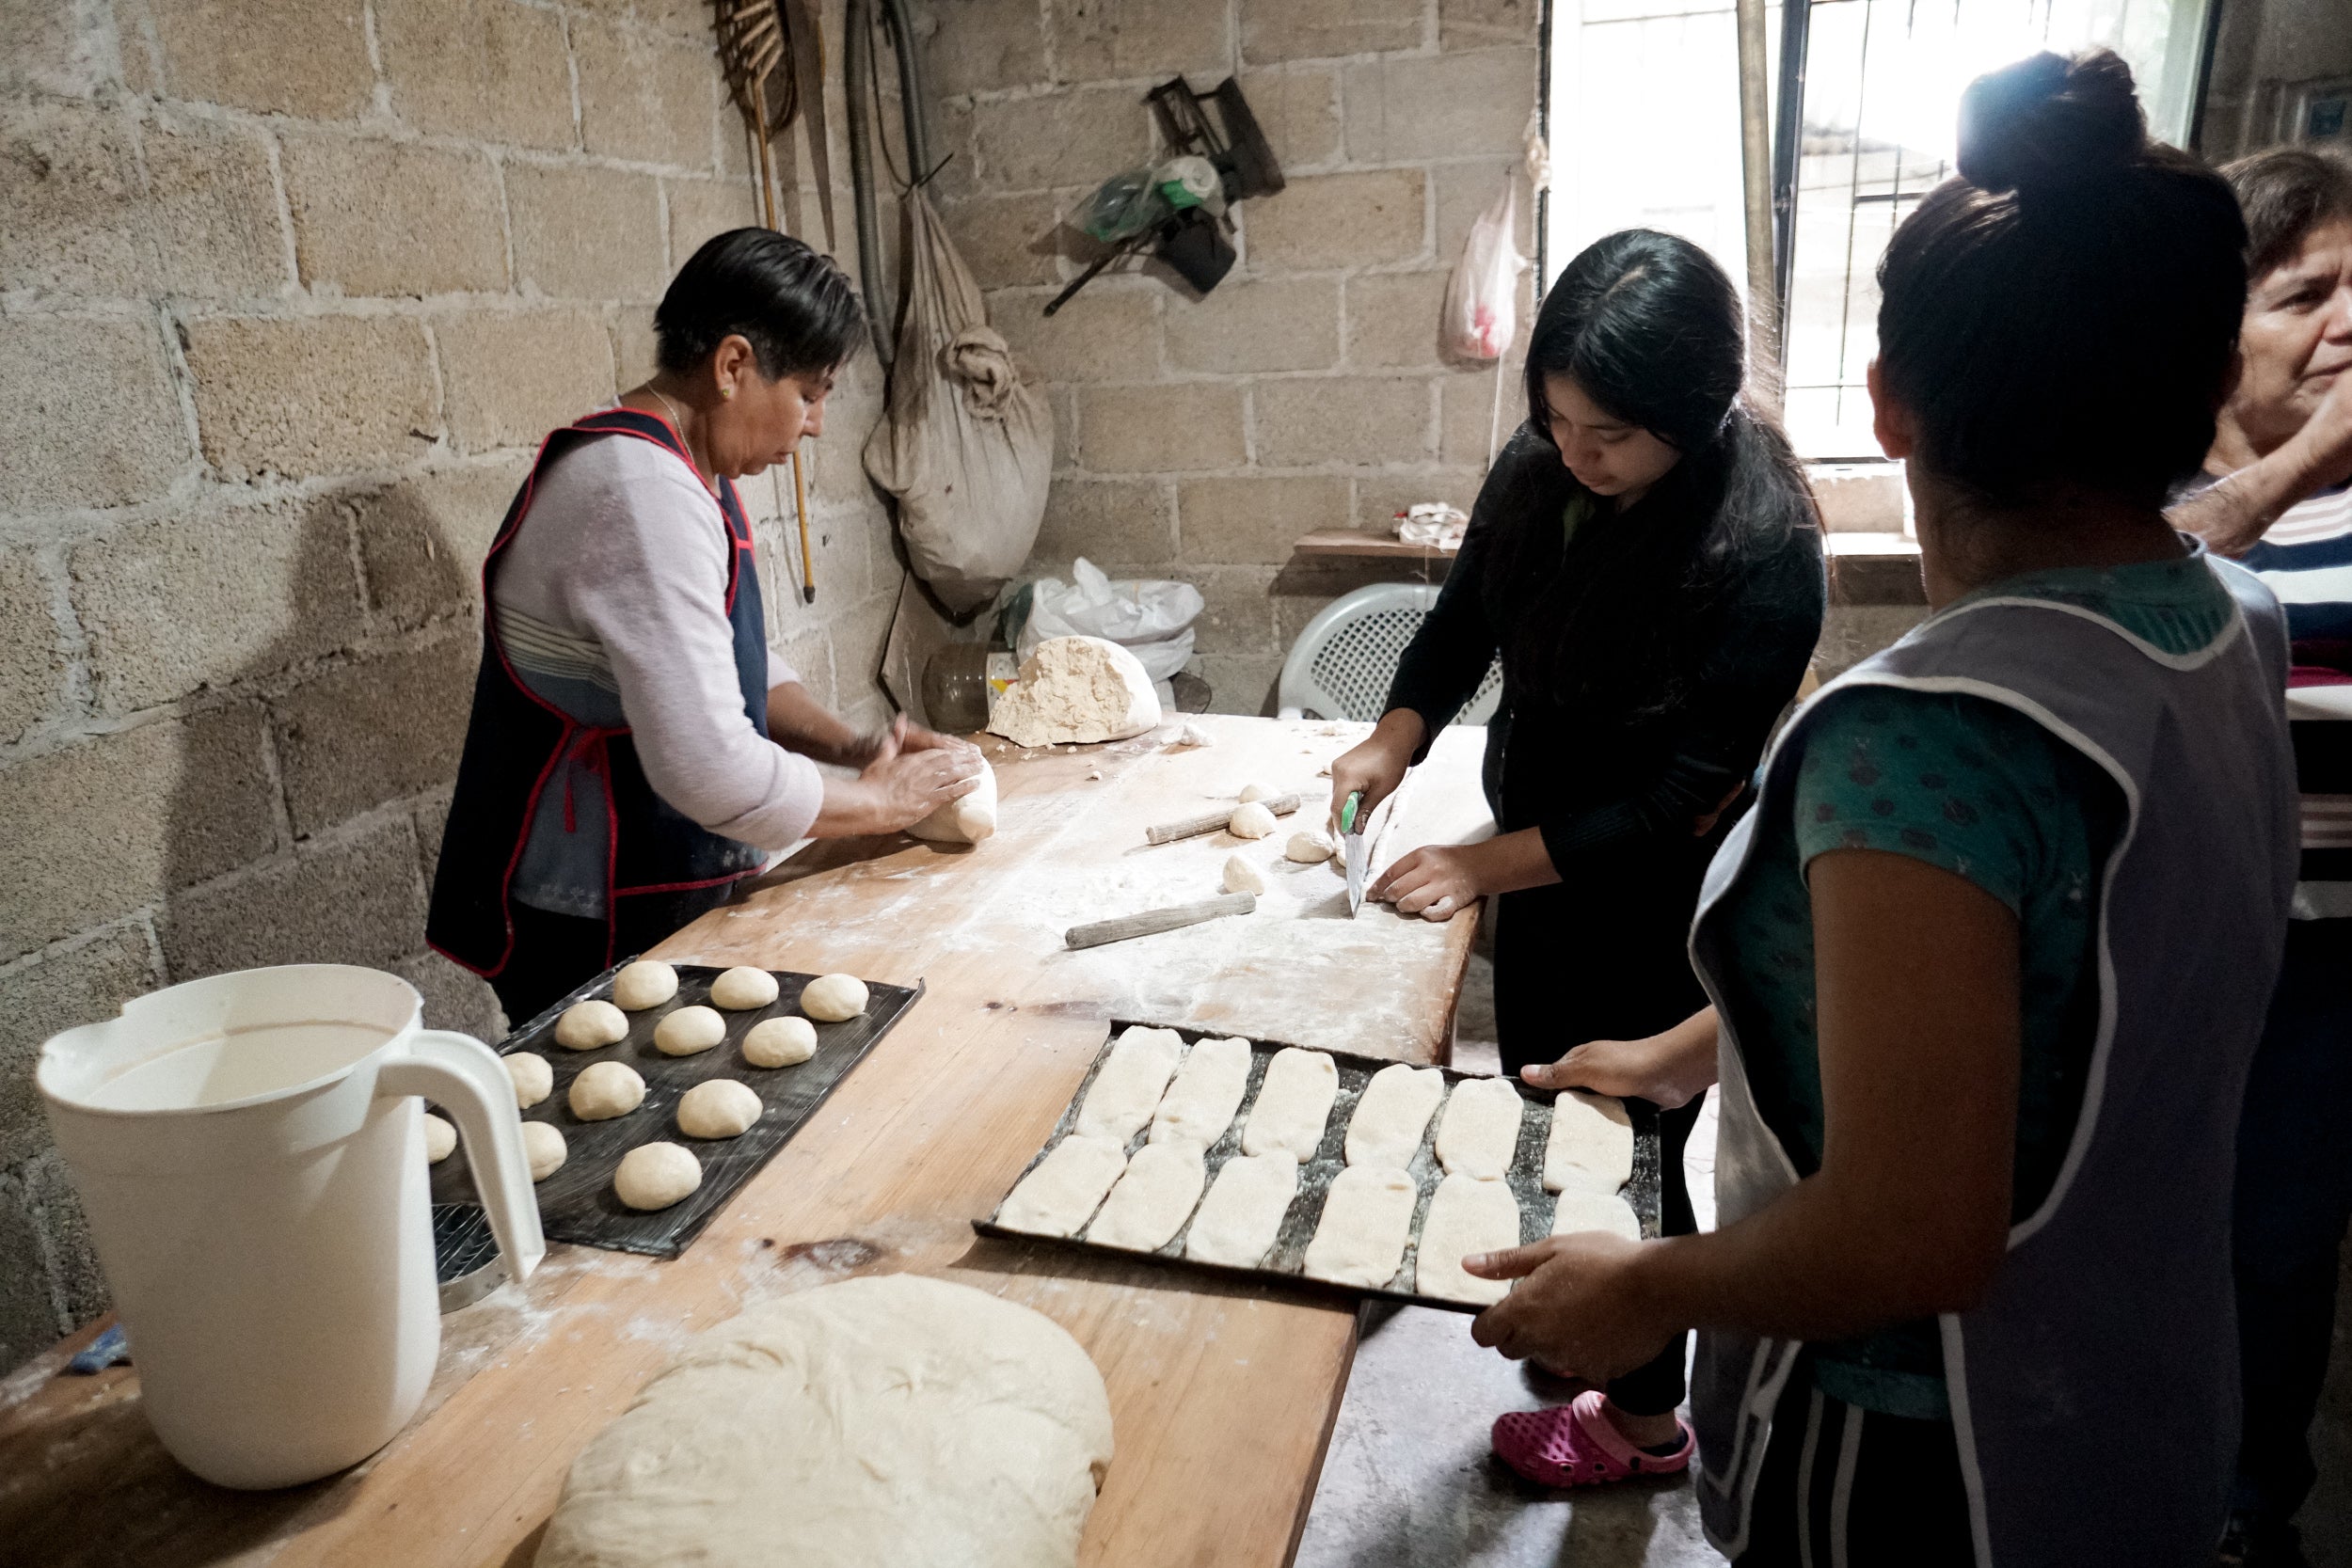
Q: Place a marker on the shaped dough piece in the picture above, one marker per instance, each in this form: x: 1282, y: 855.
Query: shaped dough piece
x: 534, y: 1079
x: 1242, y: 877
x: 1467, y: 1215
x: 742, y: 988
x: 591, y: 1026
x: 967, y: 818
x: 1367, y: 1218
x: 605, y: 1090
x: 1591, y: 1144
x: 1074, y: 690
x: 1392, y: 1114
x: 1311, y: 848
x: 886, y: 1422
x: 1129, y: 1085
x: 718, y: 1108
x: 1067, y: 1186
x: 1256, y: 792
x: 1207, y: 1090
x: 1152, y: 1198
x: 1241, y: 1218
x: 1292, y: 1104
x: 1480, y: 1129
x: 780, y: 1043
x: 1579, y: 1209
x: 834, y: 998
x: 646, y: 983
x: 654, y: 1175
x: 544, y: 1150
x: 688, y: 1031
x: 1250, y: 821
x: 440, y: 1139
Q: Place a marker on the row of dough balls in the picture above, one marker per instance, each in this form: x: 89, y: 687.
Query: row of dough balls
x: 543, y: 1148
x: 829, y: 998
x: 720, y: 1108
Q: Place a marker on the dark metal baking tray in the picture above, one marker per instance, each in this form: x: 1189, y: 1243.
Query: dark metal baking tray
x: 576, y: 1204
x: 1526, y: 1175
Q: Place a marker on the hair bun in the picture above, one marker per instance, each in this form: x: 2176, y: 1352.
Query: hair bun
x: 2050, y: 123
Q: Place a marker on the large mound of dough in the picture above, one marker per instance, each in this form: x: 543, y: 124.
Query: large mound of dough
x: 1073, y: 689
x: 875, y: 1423
x: 967, y: 818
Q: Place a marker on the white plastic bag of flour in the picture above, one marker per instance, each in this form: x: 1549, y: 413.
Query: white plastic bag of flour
x: 1151, y: 619
x: 1481, y: 312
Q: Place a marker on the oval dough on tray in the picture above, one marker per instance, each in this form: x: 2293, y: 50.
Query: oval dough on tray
x: 1207, y: 1090
x: 1393, y: 1113
x: 1367, y: 1219
x: 1239, y: 1221
x: 1480, y: 1129
x: 1127, y: 1086
x: 1153, y: 1199
x: 1467, y: 1215
x: 1591, y: 1144
x: 1063, y: 1190
x: 1293, y: 1102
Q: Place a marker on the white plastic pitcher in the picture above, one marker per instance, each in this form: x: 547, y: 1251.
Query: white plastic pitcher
x: 250, y: 1152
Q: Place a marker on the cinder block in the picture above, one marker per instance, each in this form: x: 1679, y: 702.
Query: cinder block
x: 69, y: 183
x: 32, y: 671
x: 1380, y: 497
x: 1471, y: 430
x: 859, y: 639
x: 810, y: 654
x: 1110, y: 522
x: 1308, y: 29
x: 1160, y: 429
x: 982, y: 45
x: 1109, y: 331
x: 1464, y: 191
x: 310, y: 394
x: 1298, y: 109
x: 1009, y: 239
x: 1392, y: 319
x: 1340, y: 220
x: 1258, y: 324
x: 29, y: 1319
x: 486, y: 69
x: 645, y: 97
x: 113, y: 823
x: 421, y: 540
x: 303, y: 57
x: 215, y: 199
x: 1244, y: 684
x: 1076, y: 137
x: 179, y: 604
x: 1099, y: 40
x: 373, y: 730
x: 69, y: 985
x: 354, y: 900
x: 454, y: 998
x: 509, y: 378
x: 586, y: 233
x: 1407, y: 107
x: 1369, y: 421
x: 63, y: 50
x: 701, y: 208
x: 1483, y: 24
x: 633, y: 345
x: 1256, y: 518
x: 80, y: 1284
x: 1237, y: 614
x: 1064, y: 401
x: 382, y: 217
x: 92, y: 421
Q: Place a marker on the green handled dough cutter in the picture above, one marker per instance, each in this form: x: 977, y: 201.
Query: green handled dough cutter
x: 1352, y: 815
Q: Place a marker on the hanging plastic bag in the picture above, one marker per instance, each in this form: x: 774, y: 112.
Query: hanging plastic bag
x: 1152, y: 619
x: 965, y: 444
x: 1481, y: 313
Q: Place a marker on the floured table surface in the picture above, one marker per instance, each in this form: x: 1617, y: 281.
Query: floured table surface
x: 1217, y: 1392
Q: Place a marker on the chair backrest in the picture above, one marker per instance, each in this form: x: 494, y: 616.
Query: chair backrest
x: 1341, y: 665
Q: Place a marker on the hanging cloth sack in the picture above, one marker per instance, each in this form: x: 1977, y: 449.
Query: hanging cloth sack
x: 964, y: 443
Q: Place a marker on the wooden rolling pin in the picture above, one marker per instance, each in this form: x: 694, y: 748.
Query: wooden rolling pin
x: 1209, y: 822
x: 1151, y: 921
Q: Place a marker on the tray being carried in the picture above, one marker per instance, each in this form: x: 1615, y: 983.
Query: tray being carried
x: 577, y: 1202
x: 1286, y: 1261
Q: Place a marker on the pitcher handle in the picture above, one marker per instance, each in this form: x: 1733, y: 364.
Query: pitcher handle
x: 464, y: 1077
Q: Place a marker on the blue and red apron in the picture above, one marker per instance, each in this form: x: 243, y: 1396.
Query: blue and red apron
x: 660, y: 860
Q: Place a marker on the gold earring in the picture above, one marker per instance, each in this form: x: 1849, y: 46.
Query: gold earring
x: 726, y: 391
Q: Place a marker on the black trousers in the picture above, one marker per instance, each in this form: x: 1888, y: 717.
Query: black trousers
x: 1603, y: 955
x: 1841, y: 1485
x: 555, y: 953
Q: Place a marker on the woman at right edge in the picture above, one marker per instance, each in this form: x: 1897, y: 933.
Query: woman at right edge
x: 1990, y: 957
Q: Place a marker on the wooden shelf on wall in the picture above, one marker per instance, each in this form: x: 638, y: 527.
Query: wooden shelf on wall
x: 1376, y: 547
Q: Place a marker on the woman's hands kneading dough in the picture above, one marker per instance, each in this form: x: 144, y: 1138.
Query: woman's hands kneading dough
x: 911, y: 774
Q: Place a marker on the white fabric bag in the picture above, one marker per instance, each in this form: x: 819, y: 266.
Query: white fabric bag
x: 1152, y: 619
x: 964, y: 444
x: 1481, y: 314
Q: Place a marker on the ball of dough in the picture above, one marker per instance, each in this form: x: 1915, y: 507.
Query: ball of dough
x: 689, y: 1030
x: 1309, y: 847
x: 646, y: 983
x: 543, y: 1148
x: 832, y: 998
x: 534, y: 1079
x: 606, y: 1091
x: 1257, y: 792
x: 1242, y: 877
x: 740, y: 989
x: 591, y: 1026
x: 780, y: 1043
x: 721, y: 1108
x: 1250, y: 821
x: 654, y: 1176
x: 440, y: 1139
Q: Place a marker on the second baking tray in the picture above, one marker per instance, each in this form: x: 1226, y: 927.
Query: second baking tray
x: 1526, y: 1175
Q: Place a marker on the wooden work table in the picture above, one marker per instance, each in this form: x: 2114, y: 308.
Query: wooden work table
x: 1222, y: 1398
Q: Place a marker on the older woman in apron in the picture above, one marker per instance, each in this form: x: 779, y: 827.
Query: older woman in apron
x: 1990, y: 957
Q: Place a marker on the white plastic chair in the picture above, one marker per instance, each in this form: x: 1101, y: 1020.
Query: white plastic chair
x: 1341, y: 664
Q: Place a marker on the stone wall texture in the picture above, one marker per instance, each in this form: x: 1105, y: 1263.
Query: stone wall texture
x: 289, y: 292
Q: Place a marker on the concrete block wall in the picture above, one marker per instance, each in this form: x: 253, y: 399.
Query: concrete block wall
x: 289, y: 292
x: 1199, y: 437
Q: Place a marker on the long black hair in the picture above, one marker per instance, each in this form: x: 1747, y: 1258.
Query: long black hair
x: 1649, y: 328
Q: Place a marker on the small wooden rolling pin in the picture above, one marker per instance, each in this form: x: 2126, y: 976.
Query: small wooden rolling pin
x: 1151, y: 921
x: 1209, y: 822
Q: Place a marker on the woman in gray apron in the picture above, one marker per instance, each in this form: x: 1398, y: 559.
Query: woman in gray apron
x: 1990, y: 957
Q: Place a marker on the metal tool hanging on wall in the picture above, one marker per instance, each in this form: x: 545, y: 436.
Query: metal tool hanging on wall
x: 774, y: 59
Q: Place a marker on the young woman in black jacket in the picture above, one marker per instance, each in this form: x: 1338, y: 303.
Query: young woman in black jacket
x: 1645, y: 559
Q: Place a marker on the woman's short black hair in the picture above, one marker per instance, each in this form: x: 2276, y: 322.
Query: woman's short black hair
x: 797, y: 311
x: 2285, y: 194
x: 2064, y: 312
x: 1649, y: 328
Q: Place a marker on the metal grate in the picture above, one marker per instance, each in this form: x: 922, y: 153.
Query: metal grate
x: 1357, y: 664
x: 462, y: 1241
